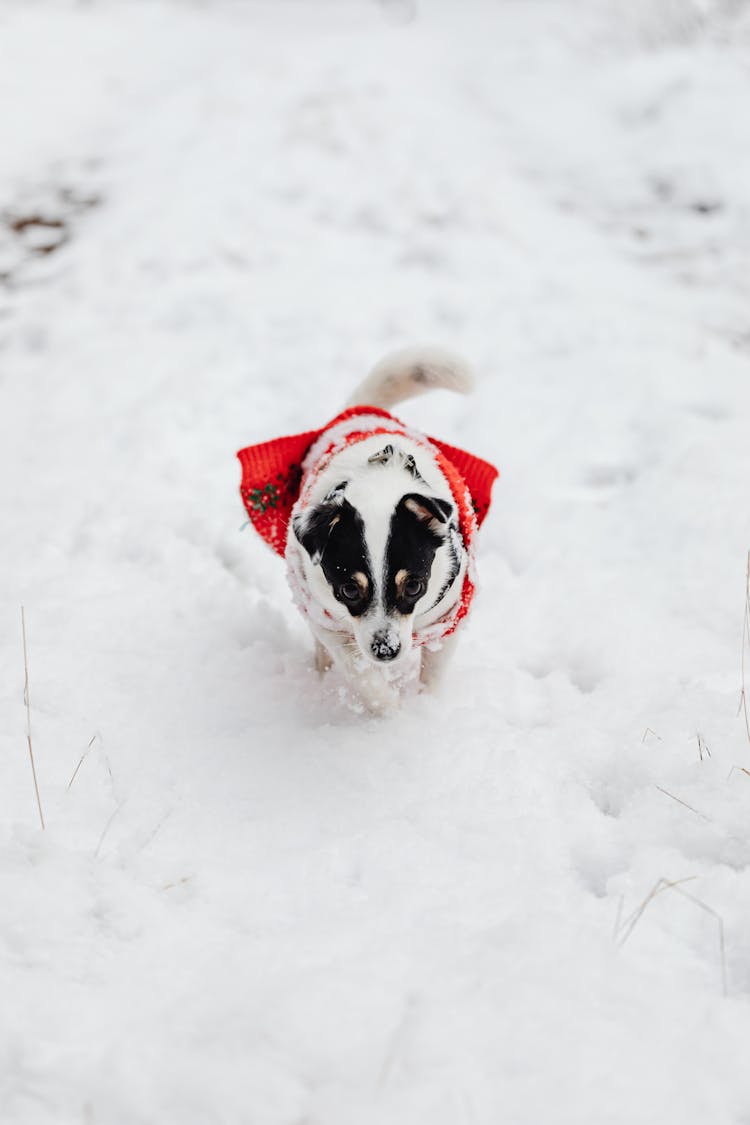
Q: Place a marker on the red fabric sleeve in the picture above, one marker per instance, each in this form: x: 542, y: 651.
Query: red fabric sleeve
x: 271, y: 474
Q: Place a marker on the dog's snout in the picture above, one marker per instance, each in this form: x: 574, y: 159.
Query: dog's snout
x: 385, y: 647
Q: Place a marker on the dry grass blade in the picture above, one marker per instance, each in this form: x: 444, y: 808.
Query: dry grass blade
x: 106, y: 830
x: 702, y: 747
x: 28, y: 716
x: 745, y: 646
x: 154, y: 831
x: 618, y: 917
x: 647, y: 732
x: 660, y: 885
x: 397, y: 1040
x: 82, y: 759
x: 741, y: 769
x: 720, y: 924
x: 676, y: 885
x: 684, y: 804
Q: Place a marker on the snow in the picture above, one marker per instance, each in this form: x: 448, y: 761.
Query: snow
x: 253, y: 904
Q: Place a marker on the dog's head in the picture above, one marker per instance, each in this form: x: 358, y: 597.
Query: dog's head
x: 384, y: 551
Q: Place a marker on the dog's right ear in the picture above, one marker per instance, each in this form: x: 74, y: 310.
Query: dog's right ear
x: 313, y: 528
x: 432, y: 512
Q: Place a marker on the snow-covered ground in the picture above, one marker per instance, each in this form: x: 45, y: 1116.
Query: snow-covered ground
x: 251, y: 904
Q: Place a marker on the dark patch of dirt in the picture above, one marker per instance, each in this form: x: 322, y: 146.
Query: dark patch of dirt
x: 40, y: 226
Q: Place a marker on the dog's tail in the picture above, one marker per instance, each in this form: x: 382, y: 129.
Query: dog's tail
x: 409, y: 372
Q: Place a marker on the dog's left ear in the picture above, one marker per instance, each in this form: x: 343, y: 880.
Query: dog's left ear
x: 313, y: 528
x: 431, y: 511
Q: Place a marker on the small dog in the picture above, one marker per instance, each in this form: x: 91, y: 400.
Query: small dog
x: 377, y: 523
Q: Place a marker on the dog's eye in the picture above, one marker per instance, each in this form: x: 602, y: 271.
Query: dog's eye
x: 350, y: 592
x: 413, y: 588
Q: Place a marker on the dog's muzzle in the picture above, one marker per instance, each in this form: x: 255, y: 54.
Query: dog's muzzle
x: 385, y: 647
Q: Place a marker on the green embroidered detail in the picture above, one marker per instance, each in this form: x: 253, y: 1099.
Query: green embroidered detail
x: 264, y: 498
x: 283, y: 492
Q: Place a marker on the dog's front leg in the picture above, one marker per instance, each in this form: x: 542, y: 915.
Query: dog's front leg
x: 435, y: 663
x: 323, y: 658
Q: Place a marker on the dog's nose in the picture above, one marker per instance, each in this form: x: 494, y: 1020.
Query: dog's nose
x: 384, y: 648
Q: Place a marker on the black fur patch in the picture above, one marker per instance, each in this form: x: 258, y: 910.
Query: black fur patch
x: 417, y: 530
x: 333, y: 534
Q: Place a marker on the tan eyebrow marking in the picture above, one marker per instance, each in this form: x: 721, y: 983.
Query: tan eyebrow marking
x: 361, y: 580
x: 402, y: 577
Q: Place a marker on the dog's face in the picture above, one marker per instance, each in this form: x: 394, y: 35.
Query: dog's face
x: 384, y: 551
